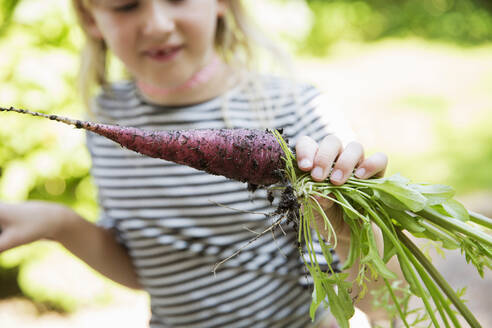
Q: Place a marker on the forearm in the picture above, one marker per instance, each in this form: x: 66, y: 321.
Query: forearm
x: 366, y: 302
x: 97, y: 247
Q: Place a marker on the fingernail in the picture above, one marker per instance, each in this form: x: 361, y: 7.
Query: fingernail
x: 337, y: 175
x: 360, y: 172
x: 305, y: 164
x: 317, y: 173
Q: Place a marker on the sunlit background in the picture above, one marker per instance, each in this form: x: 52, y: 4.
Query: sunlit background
x: 413, y: 76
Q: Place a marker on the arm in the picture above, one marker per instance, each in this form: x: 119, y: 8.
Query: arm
x: 379, y: 315
x: 96, y: 246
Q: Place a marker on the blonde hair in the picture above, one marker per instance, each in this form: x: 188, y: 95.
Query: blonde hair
x: 237, y: 41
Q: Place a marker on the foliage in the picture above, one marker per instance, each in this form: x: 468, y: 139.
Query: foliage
x: 465, y: 22
x: 39, y: 50
x: 7, y: 8
x: 470, y: 147
x: 462, y: 155
x: 399, y: 209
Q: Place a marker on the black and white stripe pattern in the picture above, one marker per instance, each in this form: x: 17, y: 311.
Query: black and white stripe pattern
x: 168, y: 216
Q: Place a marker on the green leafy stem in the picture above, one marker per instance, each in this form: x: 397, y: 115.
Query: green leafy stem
x: 398, y: 208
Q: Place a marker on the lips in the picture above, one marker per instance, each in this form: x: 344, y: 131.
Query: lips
x: 163, y: 53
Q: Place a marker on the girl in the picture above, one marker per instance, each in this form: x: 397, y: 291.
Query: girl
x: 161, y: 230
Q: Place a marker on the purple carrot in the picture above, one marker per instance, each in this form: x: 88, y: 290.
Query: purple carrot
x: 246, y: 155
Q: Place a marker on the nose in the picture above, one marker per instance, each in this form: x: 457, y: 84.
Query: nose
x: 158, y: 20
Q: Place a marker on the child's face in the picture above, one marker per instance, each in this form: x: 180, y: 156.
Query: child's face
x: 161, y: 42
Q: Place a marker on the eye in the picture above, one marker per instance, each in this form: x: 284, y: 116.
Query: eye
x: 126, y: 7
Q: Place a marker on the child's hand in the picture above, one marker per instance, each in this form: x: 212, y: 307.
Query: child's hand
x: 27, y: 222
x: 319, y: 159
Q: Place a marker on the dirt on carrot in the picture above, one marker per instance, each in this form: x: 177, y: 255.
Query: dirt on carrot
x: 246, y: 155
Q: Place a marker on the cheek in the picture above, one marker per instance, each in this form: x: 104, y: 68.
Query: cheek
x: 122, y: 46
x: 119, y: 43
x: 200, y: 30
x: 117, y: 35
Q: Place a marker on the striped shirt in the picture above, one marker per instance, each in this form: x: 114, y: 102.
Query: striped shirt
x: 177, y: 222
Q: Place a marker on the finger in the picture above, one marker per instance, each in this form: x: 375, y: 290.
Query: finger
x: 7, y: 240
x: 328, y: 151
x: 3, y: 218
x: 352, y: 155
x: 374, y: 165
x: 3, y: 209
x: 306, y: 149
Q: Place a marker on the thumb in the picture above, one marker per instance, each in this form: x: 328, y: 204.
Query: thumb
x: 325, y: 203
x: 333, y: 213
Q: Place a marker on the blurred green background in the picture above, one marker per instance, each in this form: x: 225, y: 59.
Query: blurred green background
x: 414, y: 76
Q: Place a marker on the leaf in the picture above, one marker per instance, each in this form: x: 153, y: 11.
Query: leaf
x: 452, y: 208
x: 319, y: 293
x: 389, y: 200
x: 355, y: 196
x: 456, y: 210
x: 395, y: 188
x: 408, y: 276
x: 372, y: 254
x: 354, y: 250
x: 325, y: 249
x: 389, y: 249
x: 435, y: 193
x: 440, y: 252
x: 398, y: 178
x: 345, y: 299
x: 375, y: 257
x: 433, y: 233
x: 336, y: 308
x: 407, y: 221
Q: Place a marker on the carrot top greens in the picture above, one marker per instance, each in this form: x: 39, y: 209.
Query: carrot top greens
x: 397, y: 207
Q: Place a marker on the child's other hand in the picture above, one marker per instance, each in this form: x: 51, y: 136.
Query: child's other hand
x: 27, y: 222
x: 320, y: 158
